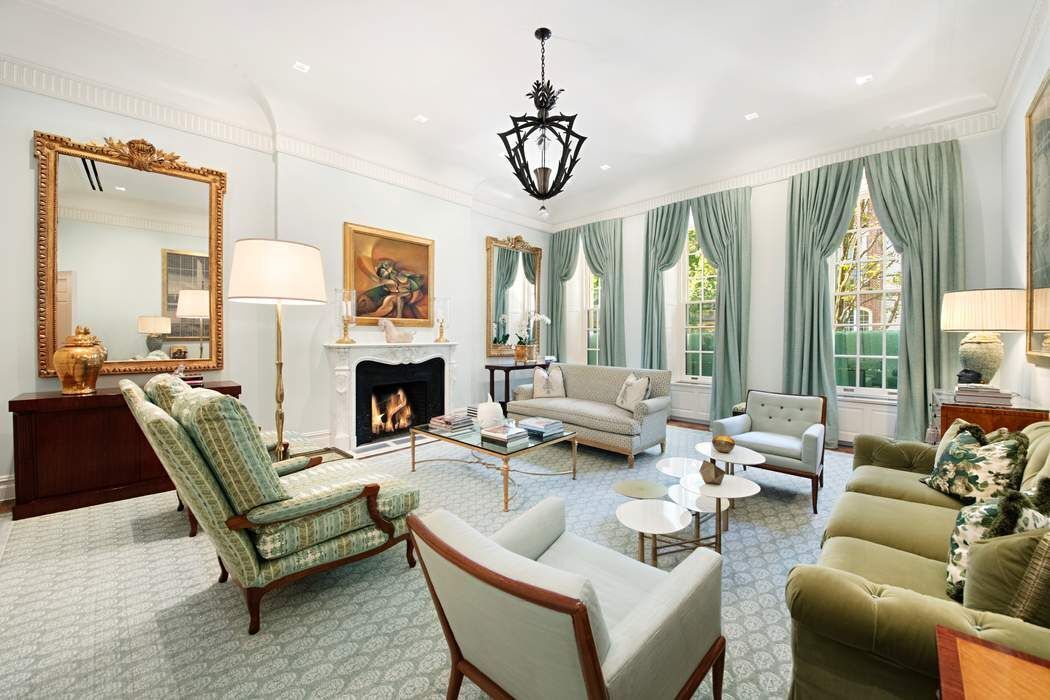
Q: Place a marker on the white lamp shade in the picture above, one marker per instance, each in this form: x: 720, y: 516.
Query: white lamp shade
x: 1041, y: 310
x: 268, y: 271
x: 193, y: 303
x: 154, y: 325
x: 993, y: 310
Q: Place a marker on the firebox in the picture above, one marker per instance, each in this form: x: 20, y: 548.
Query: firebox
x: 392, y: 398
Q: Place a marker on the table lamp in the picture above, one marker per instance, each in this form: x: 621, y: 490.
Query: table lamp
x: 153, y: 327
x: 272, y: 271
x: 195, y: 303
x: 1041, y: 317
x: 982, y: 314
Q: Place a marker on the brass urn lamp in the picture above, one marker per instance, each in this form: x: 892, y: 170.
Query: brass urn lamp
x: 78, y: 362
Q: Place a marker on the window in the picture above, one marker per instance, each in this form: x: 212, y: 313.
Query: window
x: 701, y: 286
x: 866, y: 274
x: 593, y: 304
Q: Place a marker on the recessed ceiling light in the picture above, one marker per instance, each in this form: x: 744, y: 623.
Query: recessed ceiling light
x: 301, y: 67
x: 421, y: 118
x: 118, y: 188
x: 862, y: 79
x: 751, y: 116
x: 605, y: 166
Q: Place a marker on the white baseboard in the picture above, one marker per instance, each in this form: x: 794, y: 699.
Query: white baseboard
x: 7, y: 488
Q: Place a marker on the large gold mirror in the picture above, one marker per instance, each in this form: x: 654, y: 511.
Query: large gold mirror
x: 129, y: 244
x: 512, y: 293
x: 1037, y: 132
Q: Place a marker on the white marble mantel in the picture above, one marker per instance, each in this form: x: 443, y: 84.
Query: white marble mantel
x: 343, y: 361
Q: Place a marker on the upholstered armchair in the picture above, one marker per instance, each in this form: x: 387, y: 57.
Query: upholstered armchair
x: 788, y: 430
x: 271, y: 524
x: 537, y: 612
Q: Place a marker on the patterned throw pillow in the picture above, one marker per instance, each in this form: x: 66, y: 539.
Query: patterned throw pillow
x: 548, y: 385
x: 974, y: 468
x: 1014, y: 512
x: 633, y: 392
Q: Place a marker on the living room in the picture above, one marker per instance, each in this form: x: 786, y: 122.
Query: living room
x: 706, y: 335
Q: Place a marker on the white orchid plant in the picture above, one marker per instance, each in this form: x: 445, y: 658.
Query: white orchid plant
x: 525, y: 332
x: 500, y: 334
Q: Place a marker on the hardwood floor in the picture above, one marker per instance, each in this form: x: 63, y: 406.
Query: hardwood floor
x: 7, y: 506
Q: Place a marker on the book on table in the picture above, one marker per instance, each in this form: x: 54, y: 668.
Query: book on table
x: 504, y: 433
x: 542, y: 427
x: 513, y: 444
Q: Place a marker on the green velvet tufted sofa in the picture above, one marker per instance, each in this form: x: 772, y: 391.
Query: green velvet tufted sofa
x: 864, y: 618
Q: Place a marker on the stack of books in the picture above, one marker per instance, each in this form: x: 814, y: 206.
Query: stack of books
x: 472, y: 411
x: 542, y: 427
x: 453, y: 422
x: 194, y: 380
x: 504, y: 435
x: 982, y: 394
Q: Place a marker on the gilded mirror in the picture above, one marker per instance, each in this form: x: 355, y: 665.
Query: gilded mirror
x: 512, y: 292
x: 129, y: 244
x: 1037, y: 141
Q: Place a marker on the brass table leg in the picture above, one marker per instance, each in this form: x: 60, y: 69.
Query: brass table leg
x: 641, y: 547
x: 718, y: 525
x: 506, y: 487
x: 653, y: 537
x: 574, y: 459
x: 413, y: 443
x: 696, y: 526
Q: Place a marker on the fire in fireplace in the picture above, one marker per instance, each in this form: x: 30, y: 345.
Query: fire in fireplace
x: 391, y: 411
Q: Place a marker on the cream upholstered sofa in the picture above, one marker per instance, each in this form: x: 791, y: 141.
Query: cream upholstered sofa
x: 590, y: 409
x: 537, y: 612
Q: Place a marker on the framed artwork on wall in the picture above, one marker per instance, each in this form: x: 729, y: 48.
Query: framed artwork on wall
x: 1037, y: 159
x: 392, y: 274
x: 181, y: 270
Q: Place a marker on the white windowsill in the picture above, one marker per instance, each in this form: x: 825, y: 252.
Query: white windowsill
x: 687, y: 381
x: 881, y: 399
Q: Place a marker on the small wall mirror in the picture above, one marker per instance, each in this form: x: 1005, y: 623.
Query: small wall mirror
x: 130, y: 246
x: 513, y: 292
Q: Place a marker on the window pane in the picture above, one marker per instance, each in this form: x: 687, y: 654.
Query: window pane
x: 867, y: 213
x: 891, y: 373
x: 845, y: 309
x: 892, y: 306
x: 846, y: 371
x: 592, y: 357
x: 845, y: 341
x: 871, y: 342
x: 870, y: 274
x: 692, y: 341
x: 692, y: 364
x: 709, y: 269
x: 893, y: 271
x: 696, y: 289
x: 708, y: 364
x: 848, y: 247
x: 592, y: 339
x: 871, y: 372
x: 847, y: 278
x: 707, y: 341
x: 708, y: 313
x: 869, y: 310
x: 691, y: 242
x: 893, y: 342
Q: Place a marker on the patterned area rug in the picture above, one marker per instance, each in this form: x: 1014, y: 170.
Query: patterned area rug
x: 116, y: 601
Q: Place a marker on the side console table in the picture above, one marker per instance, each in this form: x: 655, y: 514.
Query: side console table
x: 76, y: 451
x: 507, y: 368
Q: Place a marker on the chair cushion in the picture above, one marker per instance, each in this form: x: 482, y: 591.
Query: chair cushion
x: 228, y: 439
x: 898, y: 484
x: 589, y: 414
x: 771, y: 443
x: 320, y: 487
x: 885, y: 565
x: 619, y: 581
x: 163, y: 389
x: 784, y: 414
x: 910, y: 527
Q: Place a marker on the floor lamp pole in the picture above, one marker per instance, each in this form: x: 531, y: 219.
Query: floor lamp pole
x: 279, y: 395
x: 200, y: 338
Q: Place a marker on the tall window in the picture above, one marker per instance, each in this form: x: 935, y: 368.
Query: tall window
x: 593, y: 304
x: 701, y: 286
x: 866, y: 274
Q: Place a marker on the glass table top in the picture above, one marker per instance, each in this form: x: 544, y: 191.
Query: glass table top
x: 472, y: 437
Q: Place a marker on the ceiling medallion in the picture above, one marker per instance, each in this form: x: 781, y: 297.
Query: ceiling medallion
x: 546, y: 133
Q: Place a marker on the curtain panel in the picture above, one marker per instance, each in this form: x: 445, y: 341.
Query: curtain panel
x: 917, y: 193
x: 506, y: 269
x: 603, y: 250
x: 665, y: 232
x: 528, y: 265
x: 723, y: 229
x: 819, y: 210
x: 565, y: 246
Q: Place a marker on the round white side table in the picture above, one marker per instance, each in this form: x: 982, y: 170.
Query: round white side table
x: 744, y: 456
x: 678, y: 466
x: 652, y: 517
x: 731, y: 487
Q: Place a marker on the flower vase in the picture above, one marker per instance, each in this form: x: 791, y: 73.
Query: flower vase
x: 521, y: 353
x: 534, y: 352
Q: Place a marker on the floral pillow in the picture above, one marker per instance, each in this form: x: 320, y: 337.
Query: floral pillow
x: 1015, y: 512
x: 976, y: 467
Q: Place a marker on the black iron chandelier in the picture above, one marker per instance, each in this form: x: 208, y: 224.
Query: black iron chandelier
x: 547, y: 133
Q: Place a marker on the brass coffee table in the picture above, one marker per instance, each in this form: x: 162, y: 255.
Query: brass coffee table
x: 471, y: 440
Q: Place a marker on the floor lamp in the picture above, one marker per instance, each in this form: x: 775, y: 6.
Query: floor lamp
x: 271, y: 271
x: 195, y: 303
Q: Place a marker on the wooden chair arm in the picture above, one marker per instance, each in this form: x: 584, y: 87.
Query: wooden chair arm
x: 370, y: 493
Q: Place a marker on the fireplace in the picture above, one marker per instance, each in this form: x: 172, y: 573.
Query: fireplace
x: 390, y: 399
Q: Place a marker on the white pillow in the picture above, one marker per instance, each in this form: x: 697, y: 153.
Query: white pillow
x: 633, y: 392
x: 548, y: 385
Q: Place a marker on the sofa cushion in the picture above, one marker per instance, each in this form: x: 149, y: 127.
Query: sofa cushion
x: 548, y: 385
x: 997, y: 568
x: 1038, y: 466
x: 163, y: 389
x: 771, y: 443
x: 619, y: 581
x: 589, y: 414
x: 910, y: 527
x: 895, y: 483
x: 601, y: 383
x: 633, y: 392
x: 881, y: 564
x: 975, y: 468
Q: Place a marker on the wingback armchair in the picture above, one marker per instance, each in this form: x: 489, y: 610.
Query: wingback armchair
x: 787, y: 429
x: 537, y: 612
x: 270, y: 523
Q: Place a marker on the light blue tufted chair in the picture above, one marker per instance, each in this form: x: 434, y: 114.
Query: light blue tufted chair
x: 786, y: 429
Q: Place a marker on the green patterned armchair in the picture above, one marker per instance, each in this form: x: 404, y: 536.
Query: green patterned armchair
x: 270, y: 523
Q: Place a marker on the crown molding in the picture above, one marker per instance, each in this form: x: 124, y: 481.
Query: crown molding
x: 94, y: 216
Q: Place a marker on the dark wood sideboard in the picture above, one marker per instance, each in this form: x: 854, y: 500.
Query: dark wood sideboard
x: 990, y: 417
x: 76, y: 451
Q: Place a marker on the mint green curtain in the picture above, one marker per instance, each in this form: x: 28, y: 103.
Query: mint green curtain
x: 665, y: 231
x: 723, y: 229
x: 528, y: 264
x: 917, y: 193
x: 603, y: 249
x: 819, y: 210
x: 565, y: 246
x: 506, y: 269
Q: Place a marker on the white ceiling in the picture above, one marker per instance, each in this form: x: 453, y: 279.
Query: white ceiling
x: 661, y: 89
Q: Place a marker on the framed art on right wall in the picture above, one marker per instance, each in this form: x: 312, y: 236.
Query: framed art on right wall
x: 1037, y: 159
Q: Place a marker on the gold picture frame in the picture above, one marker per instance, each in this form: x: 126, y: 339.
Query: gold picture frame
x: 1037, y: 248
x: 516, y: 243
x: 391, y: 273
x: 139, y: 155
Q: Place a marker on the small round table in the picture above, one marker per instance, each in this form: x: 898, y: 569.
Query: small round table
x: 678, y: 466
x: 730, y: 488
x: 652, y: 517
x: 741, y: 455
x: 640, y: 488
